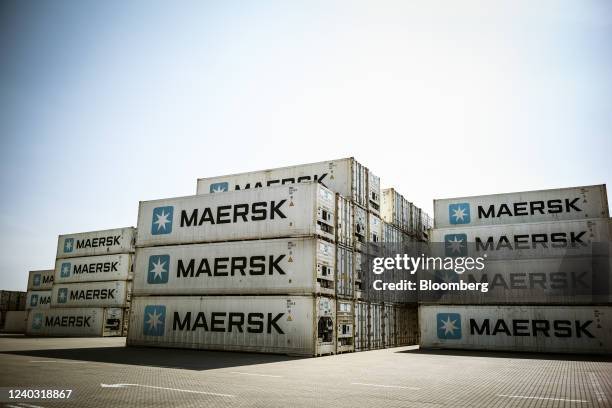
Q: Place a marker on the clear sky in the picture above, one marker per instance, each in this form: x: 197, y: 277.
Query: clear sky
x: 105, y: 103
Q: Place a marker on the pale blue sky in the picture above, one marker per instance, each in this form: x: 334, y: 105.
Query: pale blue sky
x: 107, y: 103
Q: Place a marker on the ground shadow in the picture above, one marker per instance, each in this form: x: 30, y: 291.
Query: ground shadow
x: 158, y: 357
x: 511, y: 354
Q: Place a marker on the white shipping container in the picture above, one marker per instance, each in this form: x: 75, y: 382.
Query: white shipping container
x: 531, y: 240
x: 563, y: 204
x: 94, y: 268
x: 344, y: 176
x: 298, y: 325
x: 76, y: 322
x: 286, y: 211
x: 275, y: 266
x: 345, y: 330
x: 392, y: 208
x: 38, y: 299
x: 91, y: 294
x: 563, y: 281
x: 549, y: 329
x: 40, y: 280
x: 104, y: 242
x: 14, y: 321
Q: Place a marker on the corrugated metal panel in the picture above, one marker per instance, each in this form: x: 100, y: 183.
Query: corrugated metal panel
x: 94, y: 268
x: 345, y: 272
x: 374, y: 204
x: 344, y: 221
x: 300, y: 325
x: 38, y: 299
x: 104, y: 242
x: 14, y: 321
x: 91, y: 294
x: 75, y: 322
x: 40, y: 280
x: 288, y: 211
x: 275, y: 266
x: 360, y: 218
x: 532, y: 240
x: 547, y: 329
x: 375, y: 326
x: 407, y: 325
x: 345, y: 316
x: 374, y: 228
x: 564, y: 204
x: 344, y: 176
x: 389, y: 325
x: 361, y: 326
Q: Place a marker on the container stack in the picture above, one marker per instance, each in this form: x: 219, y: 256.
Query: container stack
x: 547, y: 265
x: 12, y: 311
x: 91, y: 286
x: 264, y: 261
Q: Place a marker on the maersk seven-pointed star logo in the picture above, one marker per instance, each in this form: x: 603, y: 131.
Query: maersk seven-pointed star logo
x: 37, y: 321
x: 65, y: 271
x: 219, y: 187
x: 68, y: 245
x: 455, y: 244
x: 162, y: 220
x: 62, y: 295
x: 154, y: 320
x: 36, y: 280
x: 459, y: 213
x: 449, y: 325
x: 159, y: 269
x: 34, y: 300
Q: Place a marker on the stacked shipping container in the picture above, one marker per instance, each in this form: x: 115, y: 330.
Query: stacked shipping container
x: 547, y: 268
x: 280, y: 248
x: 91, y: 286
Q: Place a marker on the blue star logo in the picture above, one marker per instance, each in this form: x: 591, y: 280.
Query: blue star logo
x: 34, y: 300
x: 37, y: 321
x: 154, y: 320
x: 159, y: 269
x: 455, y: 245
x: 219, y: 187
x: 65, y: 271
x: 68, y: 245
x: 459, y: 213
x: 162, y: 220
x: 62, y: 295
x: 449, y: 326
x: 36, y: 280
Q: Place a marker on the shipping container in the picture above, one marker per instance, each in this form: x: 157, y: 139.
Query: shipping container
x: 374, y: 203
x: 91, y: 294
x: 40, y: 280
x: 296, y: 325
x: 344, y: 221
x: 14, y: 321
x: 546, y: 329
x: 531, y: 240
x: 94, y: 268
x: 104, y: 242
x: 274, y: 266
x: 11, y: 300
x: 345, y: 272
x: 562, y: 281
x: 76, y: 322
x: 345, y: 176
x: 345, y: 332
x: 563, y: 204
x: 38, y: 299
x: 298, y: 210
x: 361, y: 326
x: 359, y: 278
